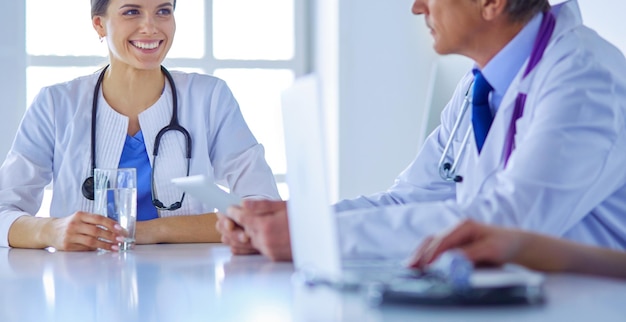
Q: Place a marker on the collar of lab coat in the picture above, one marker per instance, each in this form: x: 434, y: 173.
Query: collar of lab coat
x: 483, y: 167
x: 111, y: 131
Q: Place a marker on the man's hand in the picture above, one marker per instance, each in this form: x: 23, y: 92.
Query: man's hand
x: 234, y: 236
x: 262, y: 225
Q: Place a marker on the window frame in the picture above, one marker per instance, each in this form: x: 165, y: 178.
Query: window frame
x: 299, y: 63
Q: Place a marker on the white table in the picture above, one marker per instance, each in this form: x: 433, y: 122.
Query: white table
x: 204, y: 282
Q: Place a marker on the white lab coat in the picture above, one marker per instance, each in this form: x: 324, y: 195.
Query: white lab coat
x: 566, y: 177
x: 53, y: 143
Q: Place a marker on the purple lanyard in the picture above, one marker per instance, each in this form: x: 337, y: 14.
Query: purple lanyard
x: 541, y: 42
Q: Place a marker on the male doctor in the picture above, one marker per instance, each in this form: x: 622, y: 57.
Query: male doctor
x: 547, y: 147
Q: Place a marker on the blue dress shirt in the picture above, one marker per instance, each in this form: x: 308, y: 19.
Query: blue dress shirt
x: 504, y: 66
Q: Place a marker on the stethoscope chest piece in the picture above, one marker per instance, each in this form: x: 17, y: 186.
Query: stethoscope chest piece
x: 88, y: 188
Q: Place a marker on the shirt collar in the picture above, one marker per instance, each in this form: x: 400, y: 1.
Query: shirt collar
x: 504, y: 66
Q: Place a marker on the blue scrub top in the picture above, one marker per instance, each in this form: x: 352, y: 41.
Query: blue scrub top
x: 135, y: 156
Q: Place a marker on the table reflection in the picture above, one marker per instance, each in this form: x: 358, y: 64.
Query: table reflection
x: 148, y: 282
x: 152, y: 282
x: 205, y: 282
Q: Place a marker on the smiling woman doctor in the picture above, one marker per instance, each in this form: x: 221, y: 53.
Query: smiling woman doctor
x: 132, y: 113
x: 547, y: 140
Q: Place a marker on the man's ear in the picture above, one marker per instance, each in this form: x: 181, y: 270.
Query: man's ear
x: 492, y: 9
x: 96, y: 22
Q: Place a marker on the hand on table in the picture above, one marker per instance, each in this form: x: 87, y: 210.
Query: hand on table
x: 480, y: 243
x: 261, y: 225
x: 234, y: 236
x: 83, y: 231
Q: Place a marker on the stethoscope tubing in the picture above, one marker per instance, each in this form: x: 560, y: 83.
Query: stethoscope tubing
x: 174, y: 125
x: 447, y: 170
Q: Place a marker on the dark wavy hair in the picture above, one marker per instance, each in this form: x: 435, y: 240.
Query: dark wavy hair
x: 99, y: 7
x: 524, y: 10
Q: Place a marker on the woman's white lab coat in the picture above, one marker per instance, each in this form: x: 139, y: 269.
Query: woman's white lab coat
x: 566, y: 177
x: 53, y: 143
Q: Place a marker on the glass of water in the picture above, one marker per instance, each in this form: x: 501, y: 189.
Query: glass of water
x: 116, y: 198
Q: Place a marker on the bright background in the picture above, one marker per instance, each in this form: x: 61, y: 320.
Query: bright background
x: 374, y: 57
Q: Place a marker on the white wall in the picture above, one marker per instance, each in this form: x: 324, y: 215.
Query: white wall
x: 378, y: 60
x: 378, y: 66
x: 325, y: 62
x: 12, y: 72
x: 375, y: 60
x: 607, y: 18
x: 383, y: 80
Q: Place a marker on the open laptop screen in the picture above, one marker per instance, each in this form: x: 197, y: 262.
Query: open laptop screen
x: 312, y: 224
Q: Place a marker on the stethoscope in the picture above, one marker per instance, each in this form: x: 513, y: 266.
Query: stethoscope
x: 174, y: 125
x: 447, y: 170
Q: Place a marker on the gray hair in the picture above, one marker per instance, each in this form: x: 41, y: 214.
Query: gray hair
x: 524, y: 10
x: 99, y: 7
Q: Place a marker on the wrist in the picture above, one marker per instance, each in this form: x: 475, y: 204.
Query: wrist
x: 543, y: 253
x: 526, y: 252
x: 45, y: 232
x: 29, y: 232
x: 148, y: 232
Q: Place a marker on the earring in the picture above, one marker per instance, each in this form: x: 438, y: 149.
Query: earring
x: 101, y: 39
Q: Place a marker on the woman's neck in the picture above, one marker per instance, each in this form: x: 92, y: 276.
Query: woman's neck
x: 130, y: 91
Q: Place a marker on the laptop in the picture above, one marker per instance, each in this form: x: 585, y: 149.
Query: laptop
x: 315, y: 240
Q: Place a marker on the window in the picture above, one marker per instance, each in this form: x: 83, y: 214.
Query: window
x: 257, y: 47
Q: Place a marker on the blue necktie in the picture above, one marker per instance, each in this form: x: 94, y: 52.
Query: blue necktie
x: 481, y: 114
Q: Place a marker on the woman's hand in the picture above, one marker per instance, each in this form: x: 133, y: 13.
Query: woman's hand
x: 481, y: 244
x: 82, y: 231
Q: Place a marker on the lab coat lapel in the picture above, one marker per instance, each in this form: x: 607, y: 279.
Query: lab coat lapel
x: 479, y: 168
x: 111, y: 131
